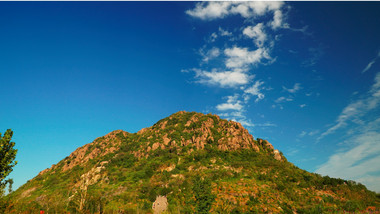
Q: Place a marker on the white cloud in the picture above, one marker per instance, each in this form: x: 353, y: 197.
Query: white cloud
x: 369, y: 66
x: 255, y: 91
x: 311, y: 133
x: 241, y: 58
x: 257, y: 33
x: 229, y: 106
x: 302, y: 105
x: 223, y: 78
x: 354, y: 110
x: 213, y: 37
x: 302, y: 134
x: 210, y: 54
x: 283, y: 99
x: 371, y: 63
x: 293, y: 90
x: 359, y: 157
x: 239, y: 117
x: 215, y: 10
x: 237, y: 61
x: 358, y: 162
x: 232, y: 104
x: 277, y: 20
x: 267, y: 124
x: 223, y: 32
x: 210, y: 10
x: 244, y: 123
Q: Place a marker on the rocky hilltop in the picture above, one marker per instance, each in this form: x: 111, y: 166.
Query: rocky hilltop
x: 188, y: 162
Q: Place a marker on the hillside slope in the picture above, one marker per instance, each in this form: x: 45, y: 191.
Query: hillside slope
x: 200, y: 163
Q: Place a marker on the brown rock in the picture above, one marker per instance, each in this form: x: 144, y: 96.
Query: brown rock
x: 277, y: 155
x: 160, y: 205
x: 155, y: 146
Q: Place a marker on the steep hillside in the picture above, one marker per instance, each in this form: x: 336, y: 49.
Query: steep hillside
x: 197, y: 163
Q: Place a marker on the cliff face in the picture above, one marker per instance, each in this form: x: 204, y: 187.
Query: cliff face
x: 193, y: 162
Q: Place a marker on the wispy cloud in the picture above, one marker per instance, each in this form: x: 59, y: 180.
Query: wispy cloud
x: 356, y: 109
x: 210, y: 54
x: 255, y: 91
x: 283, y: 99
x: 310, y: 133
x: 371, y: 63
x: 222, y: 79
x: 315, y: 55
x: 358, y: 162
x: 223, y: 32
x: 293, y: 90
x: 238, y: 116
x: 360, y: 153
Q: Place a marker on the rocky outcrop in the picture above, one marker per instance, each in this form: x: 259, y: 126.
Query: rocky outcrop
x: 100, y: 147
x: 277, y: 155
x: 203, y: 129
x: 160, y: 205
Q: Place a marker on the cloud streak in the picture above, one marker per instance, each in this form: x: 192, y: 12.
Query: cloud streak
x: 358, y: 159
x: 371, y: 63
x: 293, y: 90
x: 357, y: 109
x: 358, y: 162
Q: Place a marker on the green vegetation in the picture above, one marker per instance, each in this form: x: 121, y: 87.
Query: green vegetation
x: 7, y: 162
x: 181, y: 157
x: 203, y: 196
x: 7, y: 158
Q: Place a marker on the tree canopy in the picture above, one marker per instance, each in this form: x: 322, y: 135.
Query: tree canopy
x: 7, y: 157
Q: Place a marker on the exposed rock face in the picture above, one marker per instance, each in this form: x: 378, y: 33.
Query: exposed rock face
x: 28, y: 192
x: 103, y: 146
x: 277, y: 155
x: 92, y: 176
x: 160, y: 205
x: 265, y: 144
x: 235, y: 136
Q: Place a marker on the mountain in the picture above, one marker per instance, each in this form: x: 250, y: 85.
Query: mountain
x: 188, y: 162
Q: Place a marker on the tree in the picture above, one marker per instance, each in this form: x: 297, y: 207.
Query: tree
x: 7, y: 158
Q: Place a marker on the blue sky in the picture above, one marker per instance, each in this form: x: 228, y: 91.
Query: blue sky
x: 304, y: 75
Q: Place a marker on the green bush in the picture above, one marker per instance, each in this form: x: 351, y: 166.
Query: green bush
x: 203, y: 196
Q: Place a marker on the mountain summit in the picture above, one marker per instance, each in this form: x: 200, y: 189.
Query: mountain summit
x: 188, y: 162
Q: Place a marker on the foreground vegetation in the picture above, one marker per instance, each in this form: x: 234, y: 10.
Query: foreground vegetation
x: 124, y: 173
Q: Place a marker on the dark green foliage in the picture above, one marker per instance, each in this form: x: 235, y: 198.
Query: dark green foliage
x: 353, y: 206
x: 252, y: 203
x: 7, y: 158
x: 203, y: 196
